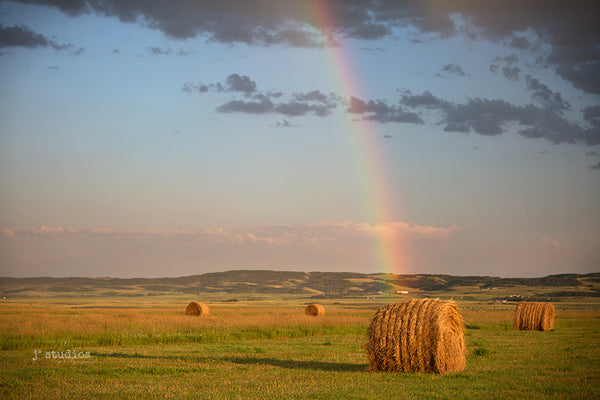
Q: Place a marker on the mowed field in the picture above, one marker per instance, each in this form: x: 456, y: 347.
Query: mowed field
x: 269, y: 349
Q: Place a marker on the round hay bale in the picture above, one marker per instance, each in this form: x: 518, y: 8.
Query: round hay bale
x: 316, y: 310
x: 534, y: 316
x: 197, y: 308
x: 417, y: 336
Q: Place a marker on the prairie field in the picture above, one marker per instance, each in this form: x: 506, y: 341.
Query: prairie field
x: 260, y: 349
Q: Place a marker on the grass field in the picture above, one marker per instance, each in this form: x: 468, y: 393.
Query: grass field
x: 125, y: 348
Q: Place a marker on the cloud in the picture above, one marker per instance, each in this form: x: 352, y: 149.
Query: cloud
x: 236, y: 83
x: 258, y: 102
x: 378, y: 110
x: 592, y: 113
x: 543, y: 95
x: 491, y: 117
x: 592, y: 116
x: 300, y: 105
x: 453, y: 69
x: 314, y: 102
x: 23, y: 36
x: 585, y: 76
x: 284, y: 235
x: 425, y: 99
x: 379, y: 49
x: 544, y: 118
x: 158, y: 51
x: 549, y: 242
x: 233, y: 83
x: 569, y: 30
x: 511, y: 73
x: 284, y: 124
x: 520, y: 43
x: 509, y: 70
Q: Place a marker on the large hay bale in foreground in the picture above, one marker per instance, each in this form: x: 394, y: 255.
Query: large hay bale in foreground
x: 417, y: 336
x: 316, y: 310
x: 197, y: 308
x: 534, y: 316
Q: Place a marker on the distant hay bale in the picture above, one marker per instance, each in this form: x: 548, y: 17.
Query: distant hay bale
x: 417, y: 336
x: 197, y: 308
x: 534, y: 316
x: 316, y: 310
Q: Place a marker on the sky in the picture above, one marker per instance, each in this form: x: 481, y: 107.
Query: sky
x: 172, y: 138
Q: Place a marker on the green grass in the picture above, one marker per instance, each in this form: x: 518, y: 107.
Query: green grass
x: 258, y: 356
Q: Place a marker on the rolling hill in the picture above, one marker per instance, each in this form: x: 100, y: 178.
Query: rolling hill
x: 309, y: 284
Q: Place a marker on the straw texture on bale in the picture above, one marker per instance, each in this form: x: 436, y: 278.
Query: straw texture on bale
x: 197, y: 308
x: 534, y: 316
x: 315, y: 310
x: 417, y: 336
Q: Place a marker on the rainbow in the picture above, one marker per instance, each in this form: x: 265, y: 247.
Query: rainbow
x: 379, y: 204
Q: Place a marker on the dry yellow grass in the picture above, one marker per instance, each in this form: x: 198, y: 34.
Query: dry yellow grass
x: 34, y: 326
x: 417, y: 336
x: 534, y: 316
x: 316, y: 310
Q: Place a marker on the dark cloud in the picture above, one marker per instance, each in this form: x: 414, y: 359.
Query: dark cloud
x: 511, y: 73
x: 259, y: 104
x: 262, y: 104
x: 520, y: 43
x: 570, y: 29
x: 233, y: 83
x: 544, y: 96
x: 158, y: 51
x: 592, y: 116
x: 509, y: 70
x: 425, y: 99
x: 296, y: 109
x: 454, y: 69
x: 482, y: 116
x: 284, y: 124
x: 591, y: 113
x: 23, y: 36
x: 493, y: 117
x: 379, y: 111
x: 544, y: 118
x: 596, y: 166
x: 509, y: 59
x: 236, y: 83
x: 373, y: 49
x: 303, y: 103
x: 585, y: 76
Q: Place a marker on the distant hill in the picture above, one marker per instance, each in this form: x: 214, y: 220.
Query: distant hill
x: 309, y: 284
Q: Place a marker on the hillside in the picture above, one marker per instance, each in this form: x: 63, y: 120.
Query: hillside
x: 310, y: 285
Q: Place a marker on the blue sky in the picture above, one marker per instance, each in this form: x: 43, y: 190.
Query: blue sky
x: 171, y: 138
